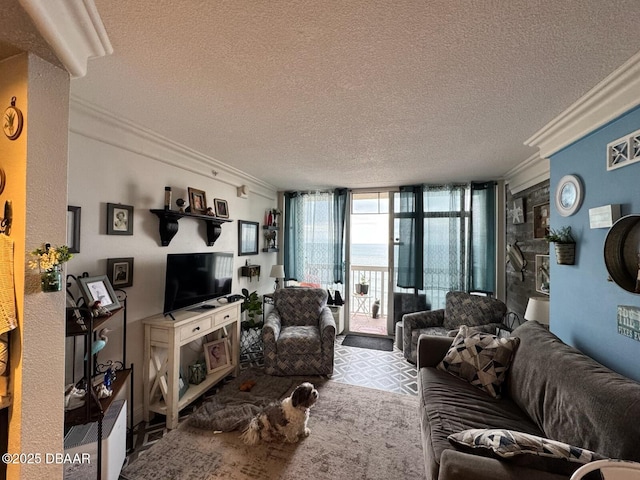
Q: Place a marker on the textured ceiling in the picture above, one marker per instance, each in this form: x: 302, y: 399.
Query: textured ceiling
x: 359, y: 93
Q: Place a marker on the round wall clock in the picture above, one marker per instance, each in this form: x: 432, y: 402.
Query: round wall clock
x: 568, y: 195
x: 12, y: 121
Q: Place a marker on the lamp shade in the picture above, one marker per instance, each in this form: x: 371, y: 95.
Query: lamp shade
x: 538, y: 310
x: 277, y: 271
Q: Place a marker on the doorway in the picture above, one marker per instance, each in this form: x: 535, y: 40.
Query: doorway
x: 370, y: 263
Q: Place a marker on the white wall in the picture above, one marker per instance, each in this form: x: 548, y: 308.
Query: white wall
x: 114, y: 163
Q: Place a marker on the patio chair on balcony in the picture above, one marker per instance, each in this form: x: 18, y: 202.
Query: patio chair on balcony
x: 299, y: 333
x: 483, y: 313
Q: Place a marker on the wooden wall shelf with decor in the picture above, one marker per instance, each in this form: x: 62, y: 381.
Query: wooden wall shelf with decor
x: 169, y: 225
x: 270, y: 238
x: 250, y: 271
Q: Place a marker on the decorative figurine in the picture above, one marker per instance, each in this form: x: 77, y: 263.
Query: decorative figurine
x: 97, y: 310
x: 180, y: 203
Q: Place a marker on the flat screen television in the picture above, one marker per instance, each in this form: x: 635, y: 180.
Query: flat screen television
x: 195, y: 278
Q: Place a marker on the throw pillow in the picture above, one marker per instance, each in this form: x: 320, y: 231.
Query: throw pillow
x: 481, y: 359
x: 524, y: 449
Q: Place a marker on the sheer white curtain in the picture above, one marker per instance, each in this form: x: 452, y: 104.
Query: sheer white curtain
x: 314, y: 237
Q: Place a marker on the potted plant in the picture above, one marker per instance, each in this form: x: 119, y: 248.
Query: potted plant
x: 363, y: 286
x: 564, y: 244
x: 252, y: 305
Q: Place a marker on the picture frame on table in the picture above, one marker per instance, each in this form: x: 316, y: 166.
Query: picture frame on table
x: 119, y: 219
x: 197, y: 201
x: 73, y: 228
x: 98, y: 288
x: 247, y: 237
x: 120, y: 271
x: 216, y: 355
x: 222, y: 208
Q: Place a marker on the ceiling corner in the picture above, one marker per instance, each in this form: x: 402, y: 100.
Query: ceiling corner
x: 73, y: 29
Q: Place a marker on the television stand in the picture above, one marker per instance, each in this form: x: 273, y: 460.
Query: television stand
x: 161, y: 367
x: 206, y: 306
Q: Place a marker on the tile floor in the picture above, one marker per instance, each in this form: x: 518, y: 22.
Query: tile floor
x: 356, y: 366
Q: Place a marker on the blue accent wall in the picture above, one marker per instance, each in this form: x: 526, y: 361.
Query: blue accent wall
x: 583, y: 309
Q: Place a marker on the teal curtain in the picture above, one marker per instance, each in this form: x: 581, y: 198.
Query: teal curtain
x: 314, y: 236
x: 339, y: 222
x: 410, y: 238
x: 483, y: 236
x: 292, y: 266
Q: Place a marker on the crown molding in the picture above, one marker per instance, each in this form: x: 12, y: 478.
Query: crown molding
x: 616, y: 94
x: 94, y: 122
x: 532, y: 171
x: 73, y: 29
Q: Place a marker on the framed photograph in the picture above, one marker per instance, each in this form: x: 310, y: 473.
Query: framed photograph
x: 517, y: 214
x: 216, y: 354
x: 247, y: 238
x: 73, y: 229
x: 542, y: 274
x: 119, y: 219
x: 197, y: 200
x: 120, y: 271
x: 98, y: 289
x: 222, y: 209
x: 541, y: 215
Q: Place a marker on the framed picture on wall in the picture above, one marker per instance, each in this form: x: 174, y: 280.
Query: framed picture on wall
x: 517, y: 213
x: 73, y: 228
x: 120, y: 271
x: 247, y: 238
x: 541, y: 220
x: 542, y: 274
x: 119, y: 219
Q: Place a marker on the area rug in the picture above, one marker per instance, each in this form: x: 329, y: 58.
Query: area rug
x: 356, y: 432
x: 372, y: 343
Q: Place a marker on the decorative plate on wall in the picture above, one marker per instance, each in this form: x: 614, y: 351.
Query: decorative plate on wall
x: 12, y: 121
x: 569, y: 195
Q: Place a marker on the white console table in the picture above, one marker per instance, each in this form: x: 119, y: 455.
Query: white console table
x: 163, y: 337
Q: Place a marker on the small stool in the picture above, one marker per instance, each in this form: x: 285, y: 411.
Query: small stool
x: 399, y: 328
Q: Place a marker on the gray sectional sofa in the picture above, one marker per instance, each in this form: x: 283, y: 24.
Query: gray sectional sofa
x: 551, y: 391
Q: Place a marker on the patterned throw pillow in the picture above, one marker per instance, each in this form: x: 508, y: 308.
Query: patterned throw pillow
x: 481, y: 359
x: 524, y: 449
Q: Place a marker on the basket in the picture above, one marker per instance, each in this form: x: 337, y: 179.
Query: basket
x: 565, y: 253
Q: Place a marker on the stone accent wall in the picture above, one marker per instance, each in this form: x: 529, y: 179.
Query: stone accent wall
x: 518, y: 291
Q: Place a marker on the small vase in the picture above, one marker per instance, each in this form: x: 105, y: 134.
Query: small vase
x: 51, y: 280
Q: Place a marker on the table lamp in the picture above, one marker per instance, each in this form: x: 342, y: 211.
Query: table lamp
x: 538, y: 309
x: 277, y: 272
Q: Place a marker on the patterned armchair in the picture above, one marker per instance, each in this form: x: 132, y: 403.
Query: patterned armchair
x: 299, y: 333
x: 482, y: 313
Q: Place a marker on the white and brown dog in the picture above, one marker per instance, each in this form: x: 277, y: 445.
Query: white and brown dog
x: 285, y: 420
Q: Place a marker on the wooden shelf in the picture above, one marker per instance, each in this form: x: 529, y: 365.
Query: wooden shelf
x: 271, y: 250
x: 93, y: 413
x: 169, y: 225
x: 194, y: 391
